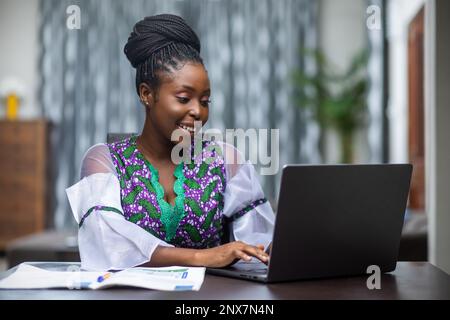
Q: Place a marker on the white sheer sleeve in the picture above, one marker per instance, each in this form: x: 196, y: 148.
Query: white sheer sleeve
x: 97, y: 160
x: 244, y: 201
x: 106, y: 240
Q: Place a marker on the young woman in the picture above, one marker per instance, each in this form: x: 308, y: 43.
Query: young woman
x: 135, y: 206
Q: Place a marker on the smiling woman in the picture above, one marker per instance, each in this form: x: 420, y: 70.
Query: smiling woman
x: 135, y: 206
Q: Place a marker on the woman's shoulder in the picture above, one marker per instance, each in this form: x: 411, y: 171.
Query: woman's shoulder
x: 229, y: 151
x: 96, y: 149
x: 97, y: 159
x: 232, y: 157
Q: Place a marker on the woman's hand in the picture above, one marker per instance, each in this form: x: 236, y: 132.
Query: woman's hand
x: 229, y: 254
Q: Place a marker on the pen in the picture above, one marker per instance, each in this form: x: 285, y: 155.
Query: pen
x: 104, y: 277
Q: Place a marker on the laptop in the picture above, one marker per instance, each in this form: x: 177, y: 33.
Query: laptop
x: 333, y: 221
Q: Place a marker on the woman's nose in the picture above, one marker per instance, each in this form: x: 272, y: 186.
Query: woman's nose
x: 195, y: 111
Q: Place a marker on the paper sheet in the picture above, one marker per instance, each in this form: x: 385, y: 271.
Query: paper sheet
x: 167, y: 278
x: 30, y: 277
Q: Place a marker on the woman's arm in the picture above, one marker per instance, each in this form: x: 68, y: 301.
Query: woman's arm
x: 217, y: 257
x: 252, y: 217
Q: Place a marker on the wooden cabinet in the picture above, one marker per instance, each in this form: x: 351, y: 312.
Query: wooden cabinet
x: 23, y: 178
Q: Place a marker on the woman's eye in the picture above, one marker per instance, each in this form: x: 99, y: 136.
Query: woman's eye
x: 206, y: 103
x: 183, y: 100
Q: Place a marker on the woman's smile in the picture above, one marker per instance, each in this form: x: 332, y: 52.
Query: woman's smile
x: 189, y: 128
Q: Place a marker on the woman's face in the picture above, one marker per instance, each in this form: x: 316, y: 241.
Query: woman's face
x: 182, y: 98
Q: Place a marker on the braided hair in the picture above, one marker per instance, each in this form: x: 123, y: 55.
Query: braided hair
x: 161, y: 43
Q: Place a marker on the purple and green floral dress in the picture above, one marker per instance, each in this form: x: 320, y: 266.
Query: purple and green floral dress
x: 195, y: 221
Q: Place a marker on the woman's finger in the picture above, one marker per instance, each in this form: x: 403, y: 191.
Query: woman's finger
x: 243, y: 255
x: 257, y: 253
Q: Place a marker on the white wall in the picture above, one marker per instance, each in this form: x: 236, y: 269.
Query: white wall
x: 342, y: 29
x: 19, y: 23
x: 342, y: 34
x: 437, y: 130
x: 399, y: 15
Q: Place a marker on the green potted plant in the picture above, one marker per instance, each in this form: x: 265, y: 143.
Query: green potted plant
x: 337, y: 100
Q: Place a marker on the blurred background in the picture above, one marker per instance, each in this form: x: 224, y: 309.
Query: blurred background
x: 345, y: 81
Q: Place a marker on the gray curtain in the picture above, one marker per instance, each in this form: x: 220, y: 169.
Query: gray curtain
x: 249, y: 48
x: 377, y: 95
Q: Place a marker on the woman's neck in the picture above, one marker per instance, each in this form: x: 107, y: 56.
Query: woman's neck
x: 153, y: 144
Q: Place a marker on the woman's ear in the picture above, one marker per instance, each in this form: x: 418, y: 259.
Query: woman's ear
x: 146, y: 95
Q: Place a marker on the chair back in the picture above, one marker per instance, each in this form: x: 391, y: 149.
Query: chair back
x: 114, y: 137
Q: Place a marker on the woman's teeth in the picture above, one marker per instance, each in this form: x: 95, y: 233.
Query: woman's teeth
x: 190, y: 129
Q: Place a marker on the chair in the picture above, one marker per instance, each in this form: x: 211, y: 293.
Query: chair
x: 113, y: 137
x: 50, y: 245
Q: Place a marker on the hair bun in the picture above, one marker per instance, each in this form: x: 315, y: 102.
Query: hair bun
x: 156, y: 32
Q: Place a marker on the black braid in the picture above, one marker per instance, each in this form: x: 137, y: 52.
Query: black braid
x: 161, y: 43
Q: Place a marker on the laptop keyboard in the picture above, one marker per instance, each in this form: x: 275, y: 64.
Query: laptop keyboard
x: 250, y: 266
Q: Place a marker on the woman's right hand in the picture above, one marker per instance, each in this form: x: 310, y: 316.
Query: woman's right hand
x: 230, y: 253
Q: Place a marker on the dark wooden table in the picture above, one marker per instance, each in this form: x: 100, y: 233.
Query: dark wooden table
x: 410, y: 280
